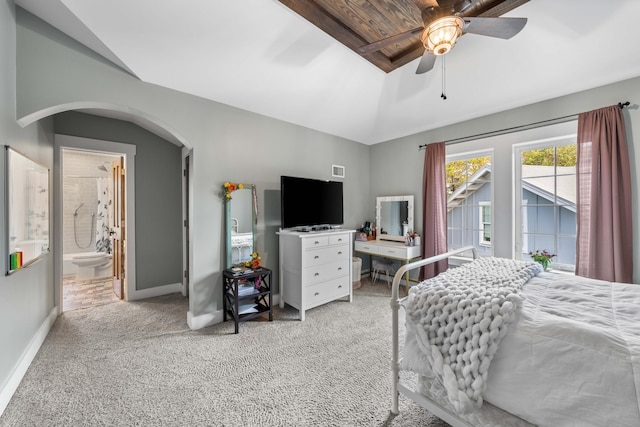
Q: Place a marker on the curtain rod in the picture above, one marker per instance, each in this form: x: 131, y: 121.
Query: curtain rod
x: 533, y: 125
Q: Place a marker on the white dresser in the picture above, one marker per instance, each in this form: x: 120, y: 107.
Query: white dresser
x: 315, y: 268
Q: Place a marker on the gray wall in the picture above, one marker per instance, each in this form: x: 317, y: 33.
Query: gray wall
x: 402, y: 155
x: 57, y: 74
x: 158, y: 197
x: 27, y: 296
x: 228, y: 145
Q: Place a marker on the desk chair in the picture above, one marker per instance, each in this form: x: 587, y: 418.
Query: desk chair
x: 380, y: 265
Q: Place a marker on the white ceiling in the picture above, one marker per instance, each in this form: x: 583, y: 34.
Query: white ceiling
x: 260, y: 56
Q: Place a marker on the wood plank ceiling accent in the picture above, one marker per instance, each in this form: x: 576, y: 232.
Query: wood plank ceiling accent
x: 356, y: 23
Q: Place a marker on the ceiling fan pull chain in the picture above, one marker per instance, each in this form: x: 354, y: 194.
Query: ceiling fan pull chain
x: 444, y: 89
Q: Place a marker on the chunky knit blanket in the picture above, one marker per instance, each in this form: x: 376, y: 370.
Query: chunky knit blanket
x: 458, y: 319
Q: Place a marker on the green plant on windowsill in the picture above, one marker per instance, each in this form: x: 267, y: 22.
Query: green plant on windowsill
x: 542, y: 257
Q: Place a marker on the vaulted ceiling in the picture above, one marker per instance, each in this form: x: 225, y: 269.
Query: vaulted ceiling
x: 357, y: 24
x: 297, y: 61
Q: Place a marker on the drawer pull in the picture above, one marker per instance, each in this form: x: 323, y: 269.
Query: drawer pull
x: 316, y: 294
x: 316, y: 257
x: 339, y: 252
x: 339, y: 268
x: 392, y: 252
x: 316, y: 243
x: 339, y: 240
x: 339, y: 286
x: 317, y: 274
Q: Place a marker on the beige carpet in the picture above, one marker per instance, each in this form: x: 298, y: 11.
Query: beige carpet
x: 126, y: 364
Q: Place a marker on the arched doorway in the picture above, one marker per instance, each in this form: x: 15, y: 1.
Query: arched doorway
x: 183, y: 153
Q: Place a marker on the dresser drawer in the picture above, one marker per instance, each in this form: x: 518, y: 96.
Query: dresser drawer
x: 320, y: 273
x: 324, y: 255
x: 338, y: 239
x: 315, y: 242
x: 324, y: 292
x: 366, y: 247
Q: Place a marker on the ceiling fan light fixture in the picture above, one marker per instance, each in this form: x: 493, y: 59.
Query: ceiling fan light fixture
x: 440, y: 36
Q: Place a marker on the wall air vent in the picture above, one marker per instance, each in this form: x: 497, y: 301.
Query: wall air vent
x: 337, y: 171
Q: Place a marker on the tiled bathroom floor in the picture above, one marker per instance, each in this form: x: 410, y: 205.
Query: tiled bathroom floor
x: 86, y: 294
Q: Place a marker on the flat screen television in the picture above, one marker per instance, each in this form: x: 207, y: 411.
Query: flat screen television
x: 310, y: 203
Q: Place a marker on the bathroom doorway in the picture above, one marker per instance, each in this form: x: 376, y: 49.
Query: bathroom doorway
x: 90, y: 167
x: 91, y: 205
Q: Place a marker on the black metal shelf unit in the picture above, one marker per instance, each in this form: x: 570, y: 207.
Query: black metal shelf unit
x: 246, y: 295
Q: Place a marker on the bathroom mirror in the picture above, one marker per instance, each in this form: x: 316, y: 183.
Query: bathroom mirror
x: 241, y: 219
x: 394, y: 217
x: 27, y: 210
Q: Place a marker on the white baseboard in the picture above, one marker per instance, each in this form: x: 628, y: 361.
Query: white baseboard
x: 155, y: 291
x: 10, y: 387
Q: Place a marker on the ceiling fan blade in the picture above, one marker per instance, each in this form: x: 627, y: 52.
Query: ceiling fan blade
x: 426, y: 63
x: 502, y: 28
x: 375, y: 46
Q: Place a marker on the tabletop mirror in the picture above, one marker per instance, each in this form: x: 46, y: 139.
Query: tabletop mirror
x: 394, y: 217
x: 241, y: 219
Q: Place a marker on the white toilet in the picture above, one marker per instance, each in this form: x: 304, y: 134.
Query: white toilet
x: 92, y: 266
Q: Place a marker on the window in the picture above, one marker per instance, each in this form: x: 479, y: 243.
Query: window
x: 546, y: 200
x: 485, y: 223
x: 469, y: 201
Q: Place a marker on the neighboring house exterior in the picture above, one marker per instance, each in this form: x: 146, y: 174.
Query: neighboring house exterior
x: 465, y: 206
x: 469, y: 219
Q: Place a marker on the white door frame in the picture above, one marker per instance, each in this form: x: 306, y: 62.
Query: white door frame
x: 187, y: 214
x: 88, y: 144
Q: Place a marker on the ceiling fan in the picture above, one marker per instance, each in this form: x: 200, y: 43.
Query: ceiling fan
x: 444, y: 22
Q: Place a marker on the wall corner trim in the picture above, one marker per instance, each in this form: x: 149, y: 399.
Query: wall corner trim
x: 203, y: 320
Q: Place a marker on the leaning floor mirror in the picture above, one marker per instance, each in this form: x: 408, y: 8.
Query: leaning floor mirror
x: 241, y: 219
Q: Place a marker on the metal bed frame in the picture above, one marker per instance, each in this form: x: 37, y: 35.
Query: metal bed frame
x: 442, y: 412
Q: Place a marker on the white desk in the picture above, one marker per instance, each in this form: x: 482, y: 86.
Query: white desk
x: 389, y: 249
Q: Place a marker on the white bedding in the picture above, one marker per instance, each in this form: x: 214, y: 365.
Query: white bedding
x: 459, y: 318
x: 571, y: 357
